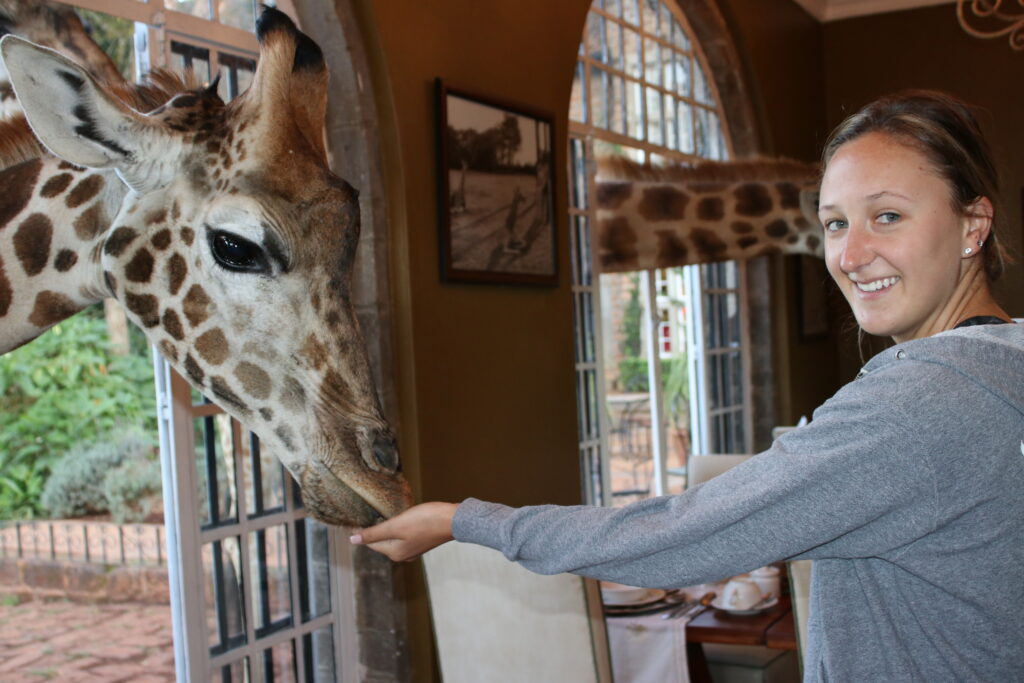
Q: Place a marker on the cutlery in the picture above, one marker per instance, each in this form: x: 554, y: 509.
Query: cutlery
x: 688, y: 607
x: 694, y: 610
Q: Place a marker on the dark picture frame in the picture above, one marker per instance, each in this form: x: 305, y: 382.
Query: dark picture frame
x: 495, y: 190
x: 813, y: 285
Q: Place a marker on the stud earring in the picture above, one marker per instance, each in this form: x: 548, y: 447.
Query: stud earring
x: 967, y: 251
x: 980, y: 243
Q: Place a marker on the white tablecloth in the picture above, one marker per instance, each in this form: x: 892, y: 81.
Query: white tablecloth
x: 648, y: 649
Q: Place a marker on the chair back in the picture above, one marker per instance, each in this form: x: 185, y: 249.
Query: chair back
x: 800, y: 592
x: 700, y: 468
x: 496, y: 621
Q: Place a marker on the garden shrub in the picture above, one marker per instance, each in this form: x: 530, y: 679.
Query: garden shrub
x: 131, y: 488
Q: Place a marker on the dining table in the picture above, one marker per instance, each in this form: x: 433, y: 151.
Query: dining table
x: 774, y: 628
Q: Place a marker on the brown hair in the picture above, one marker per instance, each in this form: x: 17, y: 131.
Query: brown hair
x: 942, y: 128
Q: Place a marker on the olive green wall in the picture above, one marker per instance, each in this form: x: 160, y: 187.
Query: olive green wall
x: 926, y: 48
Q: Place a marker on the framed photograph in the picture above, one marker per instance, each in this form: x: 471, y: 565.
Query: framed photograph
x: 496, y: 193
x: 814, y: 288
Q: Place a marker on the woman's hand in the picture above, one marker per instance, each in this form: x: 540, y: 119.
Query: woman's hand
x: 410, y: 534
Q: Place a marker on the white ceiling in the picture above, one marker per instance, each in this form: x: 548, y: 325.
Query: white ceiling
x: 831, y: 10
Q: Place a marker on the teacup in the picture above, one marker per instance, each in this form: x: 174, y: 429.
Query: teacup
x: 741, y: 592
x: 768, y: 580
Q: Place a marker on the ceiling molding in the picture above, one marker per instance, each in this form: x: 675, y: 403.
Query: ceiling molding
x: 833, y: 10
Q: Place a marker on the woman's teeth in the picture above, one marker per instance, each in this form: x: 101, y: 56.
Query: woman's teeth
x: 876, y: 285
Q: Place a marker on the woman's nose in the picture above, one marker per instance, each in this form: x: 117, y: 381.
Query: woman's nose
x: 857, y: 250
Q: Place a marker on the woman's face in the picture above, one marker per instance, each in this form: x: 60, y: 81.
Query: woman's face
x: 893, y: 242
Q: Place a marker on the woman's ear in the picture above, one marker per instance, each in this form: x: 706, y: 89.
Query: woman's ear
x: 977, y: 222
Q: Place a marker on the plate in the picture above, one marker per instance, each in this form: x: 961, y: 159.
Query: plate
x: 742, y: 612
x: 649, y: 597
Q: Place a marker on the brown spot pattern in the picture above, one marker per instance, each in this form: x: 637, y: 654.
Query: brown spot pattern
x: 18, y: 183
x: 87, y: 224
x: 32, y: 243
x: 708, y: 244
x: 789, y: 195
x: 172, y: 324
x: 193, y: 370
x: 617, y: 242
x: 187, y: 235
x: 155, y: 216
x: 162, y: 239
x: 119, y: 241
x: 55, y: 185
x: 752, y: 199
x: 671, y: 249
x: 224, y: 394
x: 167, y: 348
x: 176, y: 271
x: 65, y: 261
x: 745, y: 242
x: 267, y: 414
x: 293, y: 396
x: 255, y: 381
x: 285, y: 435
x: 663, y: 203
x: 196, y: 305
x: 315, y: 352
x: 50, y: 308
x: 145, y: 306
x: 777, y: 229
x: 813, y: 242
x: 612, y: 195
x: 5, y: 291
x: 140, y: 268
x: 213, y: 346
x: 87, y: 188
x: 710, y: 209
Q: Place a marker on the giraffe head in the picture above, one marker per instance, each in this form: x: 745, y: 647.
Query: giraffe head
x: 232, y: 250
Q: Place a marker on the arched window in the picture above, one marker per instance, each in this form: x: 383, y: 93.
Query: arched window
x: 642, y: 90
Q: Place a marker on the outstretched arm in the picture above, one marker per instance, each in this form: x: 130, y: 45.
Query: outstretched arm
x: 410, y: 534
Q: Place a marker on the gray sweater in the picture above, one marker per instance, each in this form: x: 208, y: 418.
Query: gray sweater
x: 906, y: 489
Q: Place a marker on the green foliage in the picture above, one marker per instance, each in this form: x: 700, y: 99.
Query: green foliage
x: 116, y: 36
x: 61, y: 390
x: 631, y: 316
x: 92, y: 479
x: 675, y: 382
x: 131, y: 488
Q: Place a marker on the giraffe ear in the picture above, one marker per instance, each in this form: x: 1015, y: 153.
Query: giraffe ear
x: 71, y: 114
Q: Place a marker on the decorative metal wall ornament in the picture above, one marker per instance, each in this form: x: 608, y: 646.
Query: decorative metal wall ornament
x: 989, y: 19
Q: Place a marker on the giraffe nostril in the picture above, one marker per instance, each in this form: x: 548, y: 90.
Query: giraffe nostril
x: 386, y: 453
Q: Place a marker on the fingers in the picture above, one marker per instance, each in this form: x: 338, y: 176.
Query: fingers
x: 411, y: 533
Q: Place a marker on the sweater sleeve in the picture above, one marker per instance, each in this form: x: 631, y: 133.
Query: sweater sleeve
x: 856, y: 482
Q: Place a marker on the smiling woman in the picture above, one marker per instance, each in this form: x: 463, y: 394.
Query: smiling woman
x: 917, y: 570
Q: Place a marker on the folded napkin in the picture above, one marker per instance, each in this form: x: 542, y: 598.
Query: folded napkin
x: 648, y: 649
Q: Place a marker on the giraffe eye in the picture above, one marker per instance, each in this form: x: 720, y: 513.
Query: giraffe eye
x: 237, y: 254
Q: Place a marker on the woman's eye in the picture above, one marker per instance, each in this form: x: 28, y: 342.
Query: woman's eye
x: 238, y: 254
x: 833, y: 224
x: 888, y: 217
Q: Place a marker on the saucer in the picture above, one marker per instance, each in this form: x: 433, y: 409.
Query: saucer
x: 761, y: 607
x: 649, y: 597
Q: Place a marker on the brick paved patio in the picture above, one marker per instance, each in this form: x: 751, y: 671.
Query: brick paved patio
x: 65, y: 641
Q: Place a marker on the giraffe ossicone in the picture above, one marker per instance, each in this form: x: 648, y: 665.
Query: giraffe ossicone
x: 661, y: 217
x: 228, y: 240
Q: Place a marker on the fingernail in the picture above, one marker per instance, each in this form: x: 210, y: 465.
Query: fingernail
x: 356, y: 539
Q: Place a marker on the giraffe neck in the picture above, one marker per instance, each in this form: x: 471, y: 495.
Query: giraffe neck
x: 54, y: 219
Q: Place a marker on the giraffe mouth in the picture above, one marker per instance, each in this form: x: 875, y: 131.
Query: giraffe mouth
x: 334, y: 501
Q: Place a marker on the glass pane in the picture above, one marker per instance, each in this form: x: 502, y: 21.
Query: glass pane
x: 238, y: 13
x: 654, y: 132
x: 684, y: 122
x: 652, y: 61
x: 613, y: 7
x: 235, y: 75
x: 613, y: 38
x: 671, y: 127
x: 314, y: 569
x: 215, y: 469
x: 197, y: 8
x: 115, y: 36
x: 635, y: 123
x: 650, y: 15
x: 184, y: 56
x: 266, y: 481
x: 681, y: 74
x: 632, y: 62
x: 599, y: 97
x: 579, y: 174
x: 279, y: 663
x: 586, y: 277
x: 667, y: 20
x: 595, y: 37
x: 631, y: 11
x: 578, y: 100
x: 679, y: 37
x: 318, y: 656
x: 272, y: 598
x: 222, y: 579
x: 237, y: 670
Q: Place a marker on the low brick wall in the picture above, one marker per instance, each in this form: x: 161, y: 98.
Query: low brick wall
x: 81, y: 582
